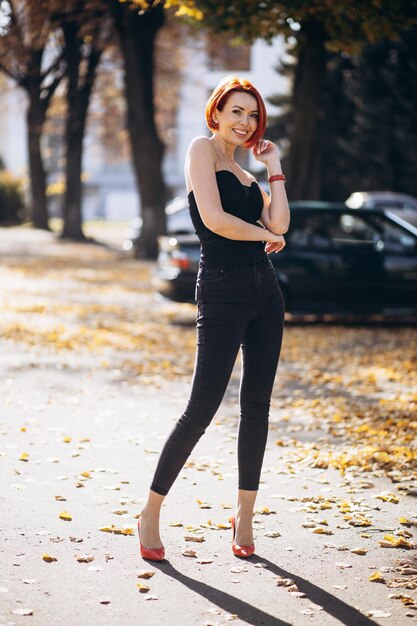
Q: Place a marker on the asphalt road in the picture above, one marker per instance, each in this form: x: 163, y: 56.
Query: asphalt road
x: 80, y: 439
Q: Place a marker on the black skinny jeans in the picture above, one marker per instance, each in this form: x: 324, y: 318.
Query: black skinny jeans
x: 239, y: 306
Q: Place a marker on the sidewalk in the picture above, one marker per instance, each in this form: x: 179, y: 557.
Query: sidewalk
x: 82, y: 426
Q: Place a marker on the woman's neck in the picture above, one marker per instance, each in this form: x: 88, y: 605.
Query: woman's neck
x: 225, y: 150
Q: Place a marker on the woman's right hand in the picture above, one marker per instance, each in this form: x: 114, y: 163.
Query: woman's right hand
x: 275, y: 245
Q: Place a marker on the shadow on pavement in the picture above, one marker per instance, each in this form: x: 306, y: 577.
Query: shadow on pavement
x: 341, y: 611
x: 251, y: 614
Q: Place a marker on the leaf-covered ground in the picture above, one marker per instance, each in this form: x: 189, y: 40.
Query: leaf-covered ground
x: 358, y: 383
x: 345, y: 397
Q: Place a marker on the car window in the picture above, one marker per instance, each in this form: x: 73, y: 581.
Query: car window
x: 307, y: 230
x: 393, y: 237
x: 329, y: 230
x: 352, y: 229
x: 321, y: 230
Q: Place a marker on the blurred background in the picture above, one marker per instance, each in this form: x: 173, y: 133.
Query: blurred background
x: 99, y: 100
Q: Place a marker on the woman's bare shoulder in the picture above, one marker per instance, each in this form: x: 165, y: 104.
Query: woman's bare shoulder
x: 201, y: 146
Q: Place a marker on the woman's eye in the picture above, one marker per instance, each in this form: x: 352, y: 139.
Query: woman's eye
x: 237, y: 111
x: 255, y: 116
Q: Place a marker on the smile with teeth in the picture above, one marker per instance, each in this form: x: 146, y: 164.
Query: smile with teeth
x: 241, y: 133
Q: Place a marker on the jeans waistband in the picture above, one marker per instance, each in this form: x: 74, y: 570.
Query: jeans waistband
x: 264, y: 261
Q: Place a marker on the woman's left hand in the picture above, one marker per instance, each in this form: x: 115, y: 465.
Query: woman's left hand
x: 265, y: 151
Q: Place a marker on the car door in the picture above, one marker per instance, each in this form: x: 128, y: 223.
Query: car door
x: 356, y: 273
x: 303, y: 266
x: 398, y: 247
x: 368, y: 262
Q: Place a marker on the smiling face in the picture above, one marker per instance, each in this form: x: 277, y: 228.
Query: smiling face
x: 238, y: 118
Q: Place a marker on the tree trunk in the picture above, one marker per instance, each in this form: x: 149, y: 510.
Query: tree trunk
x: 35, y: 120
x: 137, y: 34
x: 78, y: 98
x: 73, y: 138
x: 303, y: 165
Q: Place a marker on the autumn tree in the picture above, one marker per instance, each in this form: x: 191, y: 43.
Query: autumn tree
x: 71, y: 35
x: 31, y: 56
x: 137, y: 25
x: 380, y: 142
x: 367, y: 122
x: 107, y: 126
x: 85, y: 29
x: 317, y: 26
x: 107, y: 118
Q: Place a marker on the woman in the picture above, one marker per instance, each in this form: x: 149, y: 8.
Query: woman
x: 238, y: 296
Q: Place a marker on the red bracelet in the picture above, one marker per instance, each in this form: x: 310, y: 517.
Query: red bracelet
x: 277, y: 177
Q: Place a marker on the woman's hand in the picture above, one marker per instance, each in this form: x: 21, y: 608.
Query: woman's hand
x: 275, y: 246
x: 267, y: 152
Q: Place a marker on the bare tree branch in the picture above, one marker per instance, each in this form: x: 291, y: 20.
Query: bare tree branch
x: 15, y: 77
x: 53, y: 66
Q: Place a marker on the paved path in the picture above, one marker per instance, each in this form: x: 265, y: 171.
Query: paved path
x: 92, y: 440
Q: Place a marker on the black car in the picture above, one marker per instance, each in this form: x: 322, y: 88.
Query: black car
x: 401, y: 204
x: 337, y: 260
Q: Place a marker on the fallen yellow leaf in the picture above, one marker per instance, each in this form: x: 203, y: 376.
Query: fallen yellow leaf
x: 145, y: 574
x: 390, y: 541
x: 190, y: 553
x: 203, y: 505
x: 222, y: 526
x: 194, y: 538
x: 86, y: 558
x: 48, y: 558
x: 117, y: 531
x: 264, y: 511
x: 388, y: 497
x: 65, y: 516
x: 377, y: 577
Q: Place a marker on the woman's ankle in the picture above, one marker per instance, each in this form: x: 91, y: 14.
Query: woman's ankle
x: 150, y: 512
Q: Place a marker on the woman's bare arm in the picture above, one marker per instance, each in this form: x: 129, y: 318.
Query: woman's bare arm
x: 276, y: 213
x: 280, y: 222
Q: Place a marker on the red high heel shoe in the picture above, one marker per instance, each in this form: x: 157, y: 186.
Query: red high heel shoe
x: 152, y: 554
x: 238, y: 550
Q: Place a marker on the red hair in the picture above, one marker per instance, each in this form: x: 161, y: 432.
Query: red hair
x: 219, y: 97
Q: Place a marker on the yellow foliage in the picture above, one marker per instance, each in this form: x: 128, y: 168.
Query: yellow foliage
x: 390, y: 541
x: 377, y: 577
x: 117, y: 531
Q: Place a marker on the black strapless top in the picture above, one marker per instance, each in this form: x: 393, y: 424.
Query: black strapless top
x: 237, y: 199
